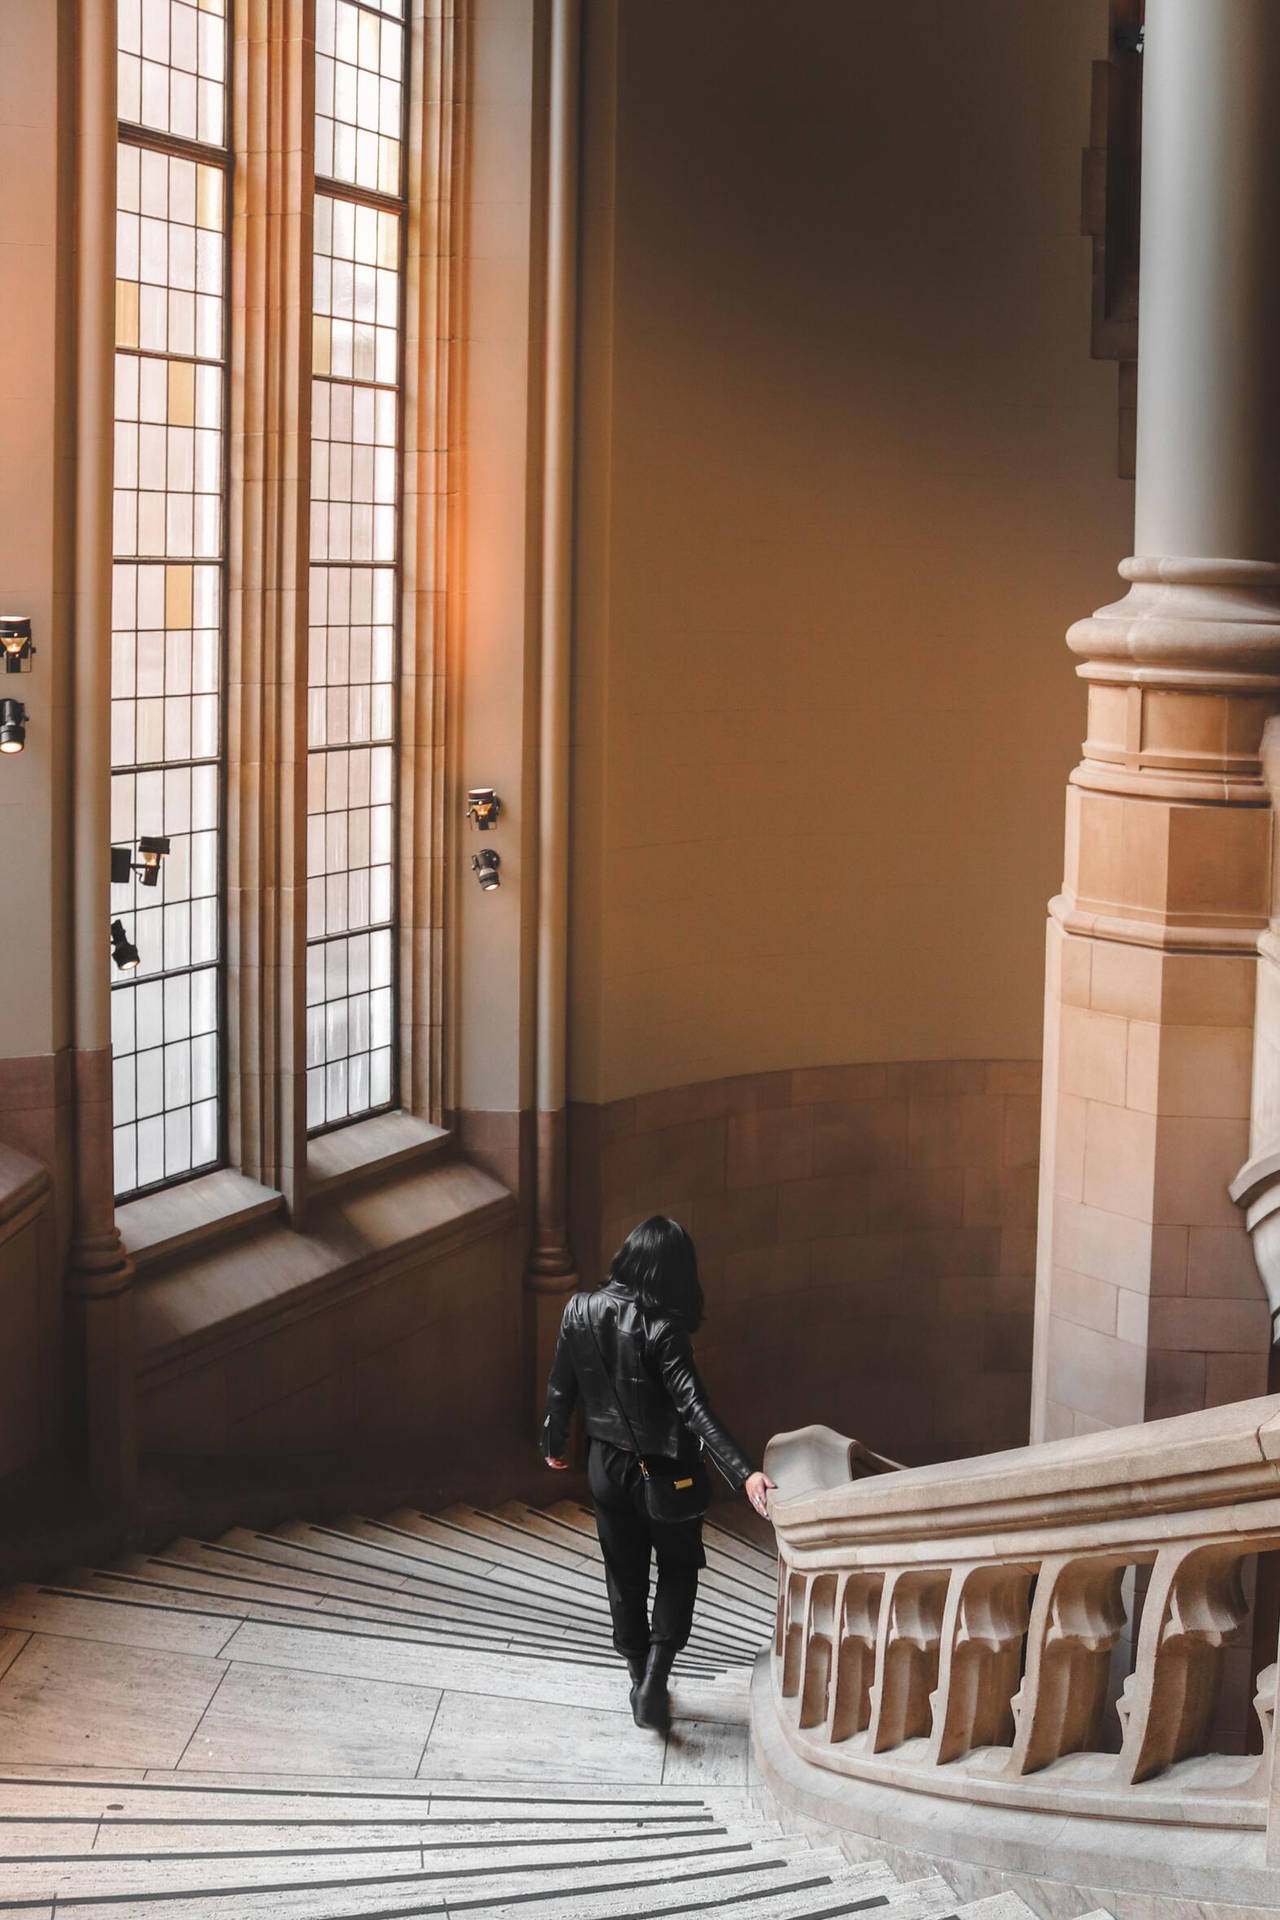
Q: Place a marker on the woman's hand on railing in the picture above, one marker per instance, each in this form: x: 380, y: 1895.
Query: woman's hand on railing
x: 758, y: 1487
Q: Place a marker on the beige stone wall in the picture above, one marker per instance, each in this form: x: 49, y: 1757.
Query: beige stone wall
x: 1149, y: 1299
x: 866, y: 1238
x: 848, y: 475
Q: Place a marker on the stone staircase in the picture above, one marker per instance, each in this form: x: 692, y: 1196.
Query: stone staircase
x: 408, y: 1716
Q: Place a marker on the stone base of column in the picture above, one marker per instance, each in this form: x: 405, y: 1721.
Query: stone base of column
x: 1148, y: 1301
x: 98, y: 1287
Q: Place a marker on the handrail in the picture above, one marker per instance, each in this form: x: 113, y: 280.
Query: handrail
x: 1060, y: 1628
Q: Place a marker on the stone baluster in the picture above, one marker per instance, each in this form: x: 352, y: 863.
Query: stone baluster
x: 791, y: 1631
x: 858, y: 1616
x: 1263, y: 1783
x: 1077, y: 1619
x: 981, y: 1655
x: 908, y: 1636
x: 1195, y: 1607
x: 819, y: 1650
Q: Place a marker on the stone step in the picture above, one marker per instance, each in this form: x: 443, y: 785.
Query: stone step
x: 580, y: 1519
x: 490, y: 1630
x: 445, y: 1865
x: 742, y: 1628
x: 438, y: 1630
x: 583, y: 1550
x: 749, y: 1579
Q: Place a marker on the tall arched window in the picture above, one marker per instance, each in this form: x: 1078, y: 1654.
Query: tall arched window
x: 354, y: 586
x: 173, y: 172
x: 279, y: 503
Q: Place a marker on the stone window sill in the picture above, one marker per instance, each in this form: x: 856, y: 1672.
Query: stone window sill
x: 370, y: 1148
x: 223, y: 1294
x: 193, y: 1217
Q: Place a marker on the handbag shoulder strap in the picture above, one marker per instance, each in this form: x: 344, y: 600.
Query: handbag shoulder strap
x: 586, y: 1314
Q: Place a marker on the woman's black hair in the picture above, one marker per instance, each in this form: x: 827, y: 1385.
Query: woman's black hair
x: 659, y: 1264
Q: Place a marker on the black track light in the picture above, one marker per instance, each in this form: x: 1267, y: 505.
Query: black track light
x: 13, y: 726
x: 485, y: 867
x: 123, y: 951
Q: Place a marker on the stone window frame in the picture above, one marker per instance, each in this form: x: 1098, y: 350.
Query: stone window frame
x: 270, y: 1161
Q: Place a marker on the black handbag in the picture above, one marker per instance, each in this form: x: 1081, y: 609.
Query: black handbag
x: 672, y: 1492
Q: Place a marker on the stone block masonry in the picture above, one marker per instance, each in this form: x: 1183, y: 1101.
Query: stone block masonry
x: 866, y: 1236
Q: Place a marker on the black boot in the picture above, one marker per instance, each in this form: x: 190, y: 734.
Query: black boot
x: 635, y: 1667
x: 650, y: 1706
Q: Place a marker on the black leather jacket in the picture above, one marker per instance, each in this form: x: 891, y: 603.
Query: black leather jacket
x: 650, y: 1368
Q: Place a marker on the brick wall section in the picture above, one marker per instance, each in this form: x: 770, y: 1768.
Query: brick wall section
x: 866, y: 1237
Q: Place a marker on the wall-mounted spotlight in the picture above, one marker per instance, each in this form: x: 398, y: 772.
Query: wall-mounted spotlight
x: 485, y: 867
x: 13, y: 726
x: 152, y: 848
x: 483, y: 809
x: 123, y: 951
x: 15, y: 642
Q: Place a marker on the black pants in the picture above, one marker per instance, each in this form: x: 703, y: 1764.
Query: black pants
x: 627, y: 1538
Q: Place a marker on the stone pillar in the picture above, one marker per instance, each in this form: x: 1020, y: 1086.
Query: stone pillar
x: 1148, y: 1302
x: 551, y: 1274
x: 99, y: 1275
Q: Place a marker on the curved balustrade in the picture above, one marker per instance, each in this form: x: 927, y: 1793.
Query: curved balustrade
x: 1066, y: 1630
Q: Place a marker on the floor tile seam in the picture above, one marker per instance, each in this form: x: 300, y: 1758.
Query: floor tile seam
x: 435, y: 1715
x: 10, y: 1657
x: 201, y: 1716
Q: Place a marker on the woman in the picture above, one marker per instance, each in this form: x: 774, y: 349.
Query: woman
x: 625, y: 1351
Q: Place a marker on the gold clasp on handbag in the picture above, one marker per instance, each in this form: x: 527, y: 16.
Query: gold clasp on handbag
x: 680, y: 1485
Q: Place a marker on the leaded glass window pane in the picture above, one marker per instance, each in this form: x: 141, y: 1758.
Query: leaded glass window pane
x: 354, y: 592
x: 168, y: 595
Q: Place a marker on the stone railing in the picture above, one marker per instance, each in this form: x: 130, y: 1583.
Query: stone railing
x: 1038, y: 1662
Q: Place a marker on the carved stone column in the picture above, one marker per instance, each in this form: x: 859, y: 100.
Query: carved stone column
x: 1147, y: 1302
x: 551, y: 1272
